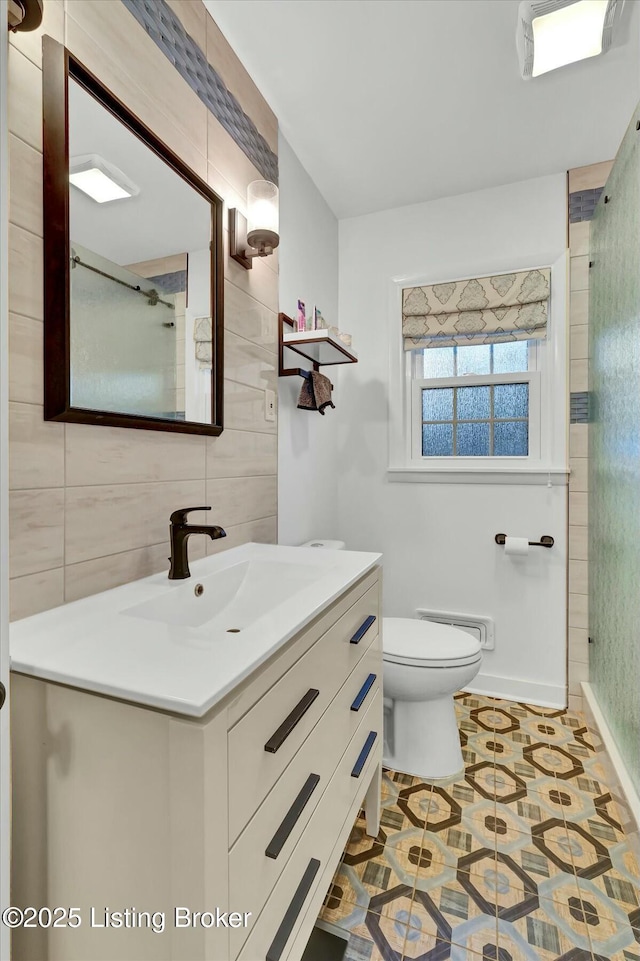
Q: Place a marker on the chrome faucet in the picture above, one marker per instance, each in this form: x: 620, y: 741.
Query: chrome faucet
x: 179, y: 532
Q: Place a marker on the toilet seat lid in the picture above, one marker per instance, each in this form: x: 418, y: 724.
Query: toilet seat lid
x: 409, y: 640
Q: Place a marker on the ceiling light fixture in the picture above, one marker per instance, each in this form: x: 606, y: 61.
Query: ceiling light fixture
x: 99, y: 179
x: 255, y: 235
x: 554, y: 33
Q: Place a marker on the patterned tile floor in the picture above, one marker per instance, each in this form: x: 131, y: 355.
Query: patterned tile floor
x: 521, y: 858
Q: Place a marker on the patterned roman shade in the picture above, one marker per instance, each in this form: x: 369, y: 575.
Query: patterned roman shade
x: 486, y: 310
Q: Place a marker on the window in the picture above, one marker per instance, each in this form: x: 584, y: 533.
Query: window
x: 476, y: 401
x: 478, y: 378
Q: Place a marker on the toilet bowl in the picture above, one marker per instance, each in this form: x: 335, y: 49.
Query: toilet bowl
x: 424, y: 664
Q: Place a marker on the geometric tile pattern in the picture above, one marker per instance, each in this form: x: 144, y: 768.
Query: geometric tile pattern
x: 166, y: 30
x: 521, y: 857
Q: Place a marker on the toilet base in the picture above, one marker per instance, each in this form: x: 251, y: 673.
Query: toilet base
x: 423, y: 739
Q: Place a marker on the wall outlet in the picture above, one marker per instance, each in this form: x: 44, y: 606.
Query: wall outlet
x: 269, y: 405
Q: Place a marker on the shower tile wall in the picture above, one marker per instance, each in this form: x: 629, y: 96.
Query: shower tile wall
x: 585, y: 186
x: 72, y: 485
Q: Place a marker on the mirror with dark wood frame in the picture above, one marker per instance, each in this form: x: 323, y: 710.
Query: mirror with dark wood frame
x: 133, y: 266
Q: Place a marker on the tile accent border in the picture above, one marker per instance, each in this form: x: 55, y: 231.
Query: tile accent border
x: 173, y: 283
x: 579, y: 407
x: 582, y: 204
x: 167, y: 32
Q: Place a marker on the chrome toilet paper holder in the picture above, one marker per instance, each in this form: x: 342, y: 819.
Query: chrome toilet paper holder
x: 545, y: 541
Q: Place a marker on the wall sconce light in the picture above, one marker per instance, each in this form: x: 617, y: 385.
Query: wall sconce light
x: 255, y: 235
x: 24, y: 14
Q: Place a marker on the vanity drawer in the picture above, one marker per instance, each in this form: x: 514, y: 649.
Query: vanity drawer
x: 283, y: 816
x: 275, y: 929
x: 264, y: 741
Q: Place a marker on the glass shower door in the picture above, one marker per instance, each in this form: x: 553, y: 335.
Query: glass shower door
x: 614, y: 451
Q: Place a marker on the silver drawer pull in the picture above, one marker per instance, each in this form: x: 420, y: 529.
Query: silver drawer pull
x: 287, y: 924
x: 364, y: 754
x: 279, y: 839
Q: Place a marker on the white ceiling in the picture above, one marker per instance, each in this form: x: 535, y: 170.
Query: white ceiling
x: 392, y: 102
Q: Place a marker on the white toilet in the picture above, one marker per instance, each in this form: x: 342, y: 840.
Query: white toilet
x: 425, y: 663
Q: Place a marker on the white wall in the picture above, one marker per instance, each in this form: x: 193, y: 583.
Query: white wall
x: 307, y: 441
x: 438, y: 539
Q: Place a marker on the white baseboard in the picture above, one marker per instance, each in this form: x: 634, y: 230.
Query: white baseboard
x: 515, y: 689
x: 614, y: 756
x: 620, y: 785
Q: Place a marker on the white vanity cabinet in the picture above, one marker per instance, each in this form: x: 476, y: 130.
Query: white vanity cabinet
x: 130, y: 809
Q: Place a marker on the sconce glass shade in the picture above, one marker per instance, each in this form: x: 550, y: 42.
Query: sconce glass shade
x: 262, y: 215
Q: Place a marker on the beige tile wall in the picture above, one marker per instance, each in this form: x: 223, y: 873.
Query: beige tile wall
x: 90, y: 505
x: 580, y: 178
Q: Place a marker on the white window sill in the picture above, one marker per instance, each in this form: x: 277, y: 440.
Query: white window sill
x: 555, y: 476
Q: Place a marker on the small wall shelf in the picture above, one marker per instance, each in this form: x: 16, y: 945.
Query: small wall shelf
x: 318, y: 347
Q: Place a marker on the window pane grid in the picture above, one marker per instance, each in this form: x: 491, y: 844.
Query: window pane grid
x: 510, y: 357
x: 485, y: 435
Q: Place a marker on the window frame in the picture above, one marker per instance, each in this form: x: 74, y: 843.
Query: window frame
x: 548, y: 464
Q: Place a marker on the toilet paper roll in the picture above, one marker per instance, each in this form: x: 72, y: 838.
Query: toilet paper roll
x: 516, y: 545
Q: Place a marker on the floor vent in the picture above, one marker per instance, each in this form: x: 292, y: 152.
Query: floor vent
x: 482, y: 628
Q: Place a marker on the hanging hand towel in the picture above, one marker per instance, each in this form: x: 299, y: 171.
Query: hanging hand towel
x: 204, y: 354
x: 202, y: 330
x: 315, y: 393
x: 322, y: 388
x: 306, y: 400
x: 203, y: 337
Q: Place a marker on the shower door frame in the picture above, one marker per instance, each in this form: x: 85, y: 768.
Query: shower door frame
x: 5, y: 783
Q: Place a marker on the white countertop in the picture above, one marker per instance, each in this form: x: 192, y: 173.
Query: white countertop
x: 131, y: 642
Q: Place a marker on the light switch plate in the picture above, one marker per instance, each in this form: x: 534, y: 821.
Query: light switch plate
x: 269, y: 405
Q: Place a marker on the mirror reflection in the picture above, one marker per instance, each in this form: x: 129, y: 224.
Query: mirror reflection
x: 140, y: 329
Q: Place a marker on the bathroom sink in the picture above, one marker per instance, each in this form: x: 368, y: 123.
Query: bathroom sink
x: 230, y: 599
x: 182, y: 645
